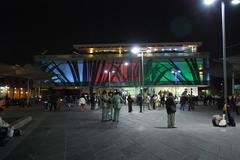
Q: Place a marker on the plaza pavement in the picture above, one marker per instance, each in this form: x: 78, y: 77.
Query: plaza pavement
x: 80, y: 135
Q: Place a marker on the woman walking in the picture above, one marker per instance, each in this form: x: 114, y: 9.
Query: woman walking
x: 171, y: 109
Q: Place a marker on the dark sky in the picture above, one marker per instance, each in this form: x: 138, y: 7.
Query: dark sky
x: 29, y: 28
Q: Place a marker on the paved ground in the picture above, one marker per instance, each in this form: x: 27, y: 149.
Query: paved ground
x: 138, y: 136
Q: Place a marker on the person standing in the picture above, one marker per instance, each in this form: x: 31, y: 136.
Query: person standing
x: 190, y: 103
x: 162, y: 100
x: 130, y: 101
x: 117, y: 100
x: 82, y: 102
x: 52, y: 100
x: 183, y: 101
x: 154, y: 100
x: 140, y: 101
x: 171, y: 109
x: 68, y: 102
x: 229, y: 110
x: 104, y: 104
x: 93, y: 101
x: 110, y: 107
x: 237, y: 104
x: 148, y: 100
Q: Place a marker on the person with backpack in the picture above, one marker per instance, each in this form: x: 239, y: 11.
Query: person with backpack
x: 171, y: 109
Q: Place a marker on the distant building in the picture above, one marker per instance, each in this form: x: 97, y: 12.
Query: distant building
x: 13, y: 87
x: 173, y: 67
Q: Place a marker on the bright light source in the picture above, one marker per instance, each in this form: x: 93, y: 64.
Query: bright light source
x: 235, y: 2
x: 149, y: 51
x: 135, y: 50
x: 91, y: 50
x: 173, y: 72
x: 126, y: 63
x: 179, y: 71
x: 105, y: 71
x: 208, y: 2
x: 113, y: 71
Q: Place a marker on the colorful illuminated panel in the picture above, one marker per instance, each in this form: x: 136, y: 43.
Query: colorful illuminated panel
x: 184, y: 71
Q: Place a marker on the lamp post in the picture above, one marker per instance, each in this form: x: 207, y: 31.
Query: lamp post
x: 136, y: 50
x: 125, y: 64
x: 234, y: 2
x: 109, y: 76
x: 175, y: 73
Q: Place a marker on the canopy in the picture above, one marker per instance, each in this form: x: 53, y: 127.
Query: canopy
x: 32, y: 72
x: 28, y: 71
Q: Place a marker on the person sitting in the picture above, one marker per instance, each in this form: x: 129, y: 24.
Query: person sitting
x: 7, y: 131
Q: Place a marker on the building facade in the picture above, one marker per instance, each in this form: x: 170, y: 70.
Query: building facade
x: 152, y: 67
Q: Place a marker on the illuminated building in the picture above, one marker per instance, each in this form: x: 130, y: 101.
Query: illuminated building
x: 167, y: 66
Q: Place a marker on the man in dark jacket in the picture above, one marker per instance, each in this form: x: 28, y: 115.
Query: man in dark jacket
x: 171, y: 109
x: 140, y: 101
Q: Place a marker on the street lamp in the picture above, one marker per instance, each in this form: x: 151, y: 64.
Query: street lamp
x: 136, y: 50
x: 175, y: 73
x: 125, y: 64
x: 234, y: 2
x: 109, y: 76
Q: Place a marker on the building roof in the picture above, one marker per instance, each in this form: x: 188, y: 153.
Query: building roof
x: 124, y: 47
x: 109, y: 45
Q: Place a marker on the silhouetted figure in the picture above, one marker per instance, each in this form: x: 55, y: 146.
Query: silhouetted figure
x: 130, y: 101
x: 93, y: 101
x: 190, y: 103
x: 140, y: 101
x: 171, y: 109
x: 117, y: 100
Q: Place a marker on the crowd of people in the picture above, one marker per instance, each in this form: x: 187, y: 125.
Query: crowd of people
x: 111, y: 103
x: 148, y: 101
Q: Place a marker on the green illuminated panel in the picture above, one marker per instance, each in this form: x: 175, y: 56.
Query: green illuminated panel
x: 185, y: 71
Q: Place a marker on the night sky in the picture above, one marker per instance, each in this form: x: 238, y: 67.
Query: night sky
x: 29, y: 28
